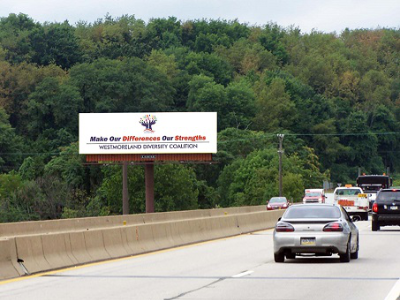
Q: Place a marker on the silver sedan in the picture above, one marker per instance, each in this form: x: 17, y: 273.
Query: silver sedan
x: 315, y: 229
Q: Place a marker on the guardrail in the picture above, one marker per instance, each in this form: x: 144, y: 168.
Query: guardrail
x: 24, y: 254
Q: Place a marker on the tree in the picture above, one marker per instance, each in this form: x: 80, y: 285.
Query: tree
x: 112, y: 38
x: 124, y: 86
x: 11, y: 146
x: 165, y: 189
x: 56, y: 43
x: 274, y: 107
x: 14, y: 37
x: 53, y: 105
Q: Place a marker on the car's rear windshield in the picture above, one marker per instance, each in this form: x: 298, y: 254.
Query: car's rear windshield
x: 388, y: 196
x: 312, y: 211
x: 278, y: 200
x: 348, y: 192
x: 313, y: 194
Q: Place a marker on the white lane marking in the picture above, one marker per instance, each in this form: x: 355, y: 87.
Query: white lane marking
x: 394, y: 292
x: 243, y: 274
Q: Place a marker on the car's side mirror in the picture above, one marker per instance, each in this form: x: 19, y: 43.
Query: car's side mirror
x: 280, y: 218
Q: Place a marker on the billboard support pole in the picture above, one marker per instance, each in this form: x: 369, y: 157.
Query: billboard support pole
x: 125, y: 195
x: 149, y: 178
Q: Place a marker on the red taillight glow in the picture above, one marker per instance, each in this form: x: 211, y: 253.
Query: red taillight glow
x: 333, y: 227
x: 284, y: 227
x: 375, y: 208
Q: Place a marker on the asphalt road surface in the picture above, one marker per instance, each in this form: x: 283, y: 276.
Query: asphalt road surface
x: 238, y: 268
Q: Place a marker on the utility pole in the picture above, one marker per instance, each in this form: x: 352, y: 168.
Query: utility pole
x: 280, y: 152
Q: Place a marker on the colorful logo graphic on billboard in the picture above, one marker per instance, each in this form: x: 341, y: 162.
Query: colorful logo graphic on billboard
x: 148, y: 121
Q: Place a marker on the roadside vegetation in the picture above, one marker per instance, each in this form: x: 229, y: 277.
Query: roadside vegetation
x: 335, y: 96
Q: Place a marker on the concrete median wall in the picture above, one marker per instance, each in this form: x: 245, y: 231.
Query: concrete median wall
x: 8, y: 260
x: 67, y: 225
x: 43, y: 252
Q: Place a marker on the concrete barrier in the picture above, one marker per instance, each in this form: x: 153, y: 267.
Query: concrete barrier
x: 30, y: 250
x: 43, y: 252
x: 95, y: 245
x: 55, y: 250
x: 161, y: 235
x: 145, y: 238
x: 113, y: 243
x: 8, y: 260
x: 68, y: 225
x: 258, y: 220
x: 130, y: 236
x: 78, y: 247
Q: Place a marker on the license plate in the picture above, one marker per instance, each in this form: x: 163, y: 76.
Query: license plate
x: 307, y: 241
x: 394, y: 207
x: 362, y: 195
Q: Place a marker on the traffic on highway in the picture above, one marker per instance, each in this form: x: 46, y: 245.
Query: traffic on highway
x: 240, y: 267
x: 305, y: 256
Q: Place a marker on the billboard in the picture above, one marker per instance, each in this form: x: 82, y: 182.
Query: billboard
x: 141, y: 133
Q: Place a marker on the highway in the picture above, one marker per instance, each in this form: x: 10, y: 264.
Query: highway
x: 233, y: 268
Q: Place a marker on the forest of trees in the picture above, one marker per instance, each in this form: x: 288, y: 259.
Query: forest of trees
x: 334, y: 96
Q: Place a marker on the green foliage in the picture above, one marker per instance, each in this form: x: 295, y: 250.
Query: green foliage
x: 175, y: 188
x: 124, y: 86
x: 253, y: 180
x: 14, y: 37
x: 10, y: 144
x: 56, y: 43
x: 334, y: 96
x: 53, y: 105
x: 275, y: 110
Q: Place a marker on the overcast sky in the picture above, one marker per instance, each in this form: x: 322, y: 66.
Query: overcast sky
x: 322, y: 15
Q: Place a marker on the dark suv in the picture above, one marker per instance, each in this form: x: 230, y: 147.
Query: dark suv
x: 386, y: 209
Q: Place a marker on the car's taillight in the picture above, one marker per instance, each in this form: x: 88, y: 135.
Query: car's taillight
x: 334, y: 226
x: 375, y: 208
x: 284, y: 227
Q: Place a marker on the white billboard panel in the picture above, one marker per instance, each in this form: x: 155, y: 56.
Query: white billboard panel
x: 140, y: 133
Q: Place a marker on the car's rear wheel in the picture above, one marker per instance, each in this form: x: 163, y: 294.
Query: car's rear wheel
x: 355, y: 254
x: 375, y: 225
x: 279, y: 257
x: 365, y: 216
x: 345, y: 257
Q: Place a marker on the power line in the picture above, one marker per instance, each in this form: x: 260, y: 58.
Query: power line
x: 227, y: 140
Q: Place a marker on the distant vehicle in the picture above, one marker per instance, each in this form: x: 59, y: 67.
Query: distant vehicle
x: 371, y: 184
x: 354, y: 201
x: 386, y: 208
x: 277, y: 203
x: 315, y: 229
x: 314, y: 196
